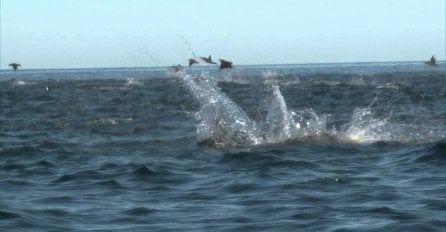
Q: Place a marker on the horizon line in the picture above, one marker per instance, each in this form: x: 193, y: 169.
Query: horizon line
x: 168, y: 66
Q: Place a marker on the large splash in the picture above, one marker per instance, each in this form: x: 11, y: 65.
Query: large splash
x: 221, y: 122
x: 364, y: 128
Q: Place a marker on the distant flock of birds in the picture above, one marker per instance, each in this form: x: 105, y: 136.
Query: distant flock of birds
x: 223, y: 63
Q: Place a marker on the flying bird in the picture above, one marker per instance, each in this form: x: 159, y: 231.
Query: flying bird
x: 192, y: 61
x: 208, y: 60
x: 225, y: 64
x: 14, y: 66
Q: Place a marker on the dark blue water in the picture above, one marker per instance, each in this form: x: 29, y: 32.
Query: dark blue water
x: 327, y: 147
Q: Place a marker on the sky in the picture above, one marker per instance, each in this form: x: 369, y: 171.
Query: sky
x: 144, y: 33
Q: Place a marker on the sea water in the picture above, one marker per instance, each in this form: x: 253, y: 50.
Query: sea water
x: 316, y: 147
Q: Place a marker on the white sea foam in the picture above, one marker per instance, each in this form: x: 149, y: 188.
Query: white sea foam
x: 20, y: 82
x: 364, y: 128
x: 133, y: 81
x: 112, y: 121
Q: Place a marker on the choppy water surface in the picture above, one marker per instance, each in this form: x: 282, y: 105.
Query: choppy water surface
x: 329, y: 147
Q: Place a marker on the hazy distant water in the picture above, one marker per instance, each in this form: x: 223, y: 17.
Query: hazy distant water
x: 327, y: 147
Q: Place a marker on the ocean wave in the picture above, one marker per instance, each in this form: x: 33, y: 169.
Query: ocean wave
x: 4, y: 215
x: 436, y: 154
x: 139, y: 211
x: 283, y: 148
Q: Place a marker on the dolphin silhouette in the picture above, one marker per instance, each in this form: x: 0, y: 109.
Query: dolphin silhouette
x: 192, y: 61
x: 432, y: 61
x: 208, y: 60
x: 14, y: 66
x: 177, y: 68
x: 225, y: 64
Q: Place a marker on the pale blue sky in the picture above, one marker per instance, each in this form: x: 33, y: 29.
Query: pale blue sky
x: 141, y: 33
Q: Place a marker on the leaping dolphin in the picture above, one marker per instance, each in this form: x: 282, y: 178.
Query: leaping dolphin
x: 208, y: 60
x: 177, y: 68
x: 192, y: 61
x: 225, y: 64
x: 432, y: 61
x: 14, y: 66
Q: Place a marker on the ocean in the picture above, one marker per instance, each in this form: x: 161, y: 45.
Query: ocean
x: 306, y: 147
